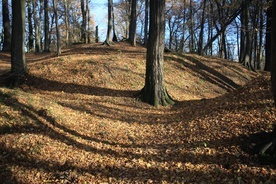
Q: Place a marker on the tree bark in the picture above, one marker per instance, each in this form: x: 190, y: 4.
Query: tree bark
x: 37, y: 28
x: 133, y: 23
x: 18, y: 63
x: 30, y: 25
x: 114, y: 38
x: 57, y: 27
x: 6, y: 26
x: 88, y: 21
x: 246, y: 61
x: 154, y: 91
x: 146, y: 22
x: 273, y: 53
x: 268, y: 39
x: 266, y: 148
x: 109, y: 23
x: 201, y: 34
x: 191, y: 29
x: 46, y: 27
x: 66, y: 17
x: 97, y: 34
x: 84, y: 22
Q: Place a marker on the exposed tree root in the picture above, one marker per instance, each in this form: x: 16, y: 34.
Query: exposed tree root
x: 163, y: 98
x: 12, y: 80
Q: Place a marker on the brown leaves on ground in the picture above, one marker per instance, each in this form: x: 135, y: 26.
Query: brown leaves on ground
x: 76, y: 121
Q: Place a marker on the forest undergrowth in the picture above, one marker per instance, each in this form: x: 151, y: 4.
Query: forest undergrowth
x: 76, y: 120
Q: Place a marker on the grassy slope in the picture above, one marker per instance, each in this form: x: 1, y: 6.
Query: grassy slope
x: 76, y: 120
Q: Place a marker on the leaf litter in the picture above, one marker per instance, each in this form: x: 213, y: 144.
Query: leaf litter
x: 76, y: 120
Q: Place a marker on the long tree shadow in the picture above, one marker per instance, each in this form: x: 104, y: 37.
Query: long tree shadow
x: 51, y: 85
x: 206, y: 73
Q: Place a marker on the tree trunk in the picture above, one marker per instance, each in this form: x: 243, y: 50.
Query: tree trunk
x: 273, y: 53
x: 18, y: 63
x: 6, y: 26
x: 191, y: 28
x: 109, y: 23
x: 268, y: 39
x: 57, y: 27
x: 46, y: 27
x: 40, y: 17
x: 114, y: 39
x: 146, y: 22
x: 97, y: 34
x: 260, y: 42
x: 66, y: 17
x: 84, y: 21
x: 170, y: 32
x: 133, y: 23
x: 154, y: 91
x: 267, y: 148
x: 242, y: 37
x: 30, y: 25
x: 37, y: 28
x: 88, y: 21
x: 200, y: 42
x: 248, y: 45
x: 182, y: 41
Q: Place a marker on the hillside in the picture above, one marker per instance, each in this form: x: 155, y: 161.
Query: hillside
x: 76, y: 120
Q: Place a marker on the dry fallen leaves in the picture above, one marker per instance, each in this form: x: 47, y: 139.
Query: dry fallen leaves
x: 87, y: 127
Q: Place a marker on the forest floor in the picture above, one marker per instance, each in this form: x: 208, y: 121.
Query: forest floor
x: 76, y: 120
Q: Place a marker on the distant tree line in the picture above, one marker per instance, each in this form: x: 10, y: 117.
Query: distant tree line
x: 234, y: 30
x: 51, y: 24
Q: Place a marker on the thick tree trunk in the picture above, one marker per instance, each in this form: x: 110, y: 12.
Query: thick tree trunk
x: 133, y: 23
x: 6, y: 26
x: 267, y: 148
x: 191, y: 29
x: 201, y: 34
x: 273, y: 53
x: 46, y: 27
x: 268, y: 39
x: 260, y: 42
x: 114, y: 38
x: 84, y: 22
x: 37, y: 28
x: 88, y: 21
x: 154, y: 91
x: 66, y: 13
x: 57, y: 27
x: 182, y: 41
x: 109, y: 23
x: 18, y: 63
x: 30, y: 26
x: 146, y: 22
